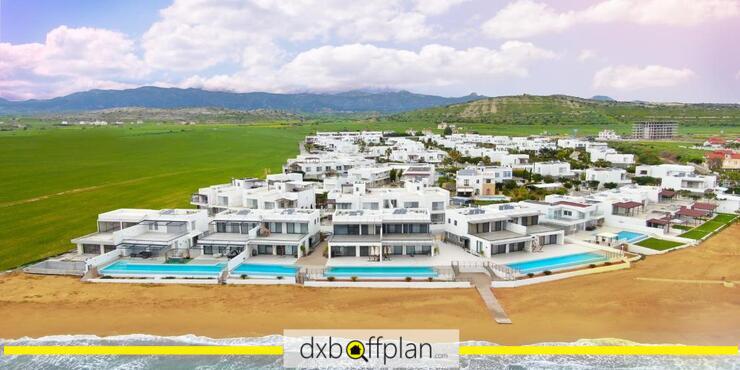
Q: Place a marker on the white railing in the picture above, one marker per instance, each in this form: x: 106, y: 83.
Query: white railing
x: 236, y: 261
x: 102, y: 259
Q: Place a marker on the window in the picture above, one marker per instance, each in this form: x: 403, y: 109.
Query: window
x: 276, y: 227
x: 411, y: 205
x: 438, y: 206
x: 291, y: 228
x: 208, y: 249
x: 567, y: 213
x: 269, y: 205
x: 90, y: 249
x: 304, y: 228
x: 264, y: 249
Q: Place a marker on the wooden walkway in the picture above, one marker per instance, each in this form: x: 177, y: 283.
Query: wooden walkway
x: 482, y: 283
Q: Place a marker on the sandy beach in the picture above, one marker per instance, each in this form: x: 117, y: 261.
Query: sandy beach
x: 613, y: 305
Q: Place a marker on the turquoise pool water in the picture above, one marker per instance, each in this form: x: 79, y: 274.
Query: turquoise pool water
x: 557, y: 262
x: 381, y: 271
x: 260, y: 269
x: 133, y: 268
x: 630, y: 236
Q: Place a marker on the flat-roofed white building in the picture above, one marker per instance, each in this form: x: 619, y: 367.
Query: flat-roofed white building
x: 278, y: 191
x: 572, y: 143
x: 554, y: 169
x: 413, y: 195
x: 276, y: 232
x: 142, y: 230
x: 607, y: 175
x: 678, y: 177
x: 378, y: 235
x: 500, y: 228
x: 662, y: 170
x: 569, y: 215
x: 321, y: 165
x: 474, y: 181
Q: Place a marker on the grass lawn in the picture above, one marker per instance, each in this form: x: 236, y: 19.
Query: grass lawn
x: 709, y: 226
x: 682, y: 227
x: 658, y: 244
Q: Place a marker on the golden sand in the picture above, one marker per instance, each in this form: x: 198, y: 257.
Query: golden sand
x: 610, y: 305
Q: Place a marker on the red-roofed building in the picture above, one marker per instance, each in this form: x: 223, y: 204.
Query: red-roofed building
x: 716, y: 142
x: 727, y: 159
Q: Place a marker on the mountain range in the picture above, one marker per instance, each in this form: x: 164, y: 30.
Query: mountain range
x: 176, y: 98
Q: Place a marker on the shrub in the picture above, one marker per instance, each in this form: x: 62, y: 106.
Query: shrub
x: 330, y: 278
x: 531, y: 274
x: 408, y: 278
x: 244, y: 276
x: 280, y: 277
x: 430, y: 279
x: 354, y: 278
x: 548, y: 272
x: 592, y: 265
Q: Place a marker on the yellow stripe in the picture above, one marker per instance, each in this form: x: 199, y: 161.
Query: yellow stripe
x: 464, y: 350
x: 144, y: 350
x: 602, y: 350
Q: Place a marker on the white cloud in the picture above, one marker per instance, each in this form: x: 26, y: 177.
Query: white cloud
x: 527, y: 18
x: 436, y: 7
x: 633, y: 77
x: 333, y: 68
x: 586, y: 55
x: 70, y: 59
x: 198, y: 34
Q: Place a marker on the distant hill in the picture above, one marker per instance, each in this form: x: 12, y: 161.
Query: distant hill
x: 174, y: 98
x: 200, y: 115
x: 562, y: 109
x: 602, y: 98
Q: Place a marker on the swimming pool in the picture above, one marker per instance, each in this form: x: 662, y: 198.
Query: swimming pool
x: 381, y: 271
x: 265, y: 270
x: 630, y: 237
x: 127, y: 268
x: 559, y: 262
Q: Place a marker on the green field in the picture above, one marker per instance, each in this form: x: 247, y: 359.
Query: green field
x: 706, y: 228
x: 658, y: 244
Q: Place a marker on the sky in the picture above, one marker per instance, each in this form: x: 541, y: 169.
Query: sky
x: 654, y: 50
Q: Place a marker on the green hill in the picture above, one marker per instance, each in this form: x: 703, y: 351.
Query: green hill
x: 568, y: 110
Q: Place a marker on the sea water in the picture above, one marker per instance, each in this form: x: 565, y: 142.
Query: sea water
x: 275, y: 362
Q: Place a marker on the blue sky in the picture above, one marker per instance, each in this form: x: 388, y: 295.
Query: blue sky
x: 661, y: 50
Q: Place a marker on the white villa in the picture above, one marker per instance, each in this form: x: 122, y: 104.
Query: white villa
x: 319, y: 166
x: 554, y: 169
x: 283, y: 232
x: 678, y: 177
x: 257, y: 194
x: 607, y: 175
x: 474, y: 181
x: 142, y: 230
x: 500, y: 228
x: 378, y: 235
x: 359, y: 196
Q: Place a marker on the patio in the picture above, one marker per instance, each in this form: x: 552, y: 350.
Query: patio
x: 547, y: 252
x: 447, y: 254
